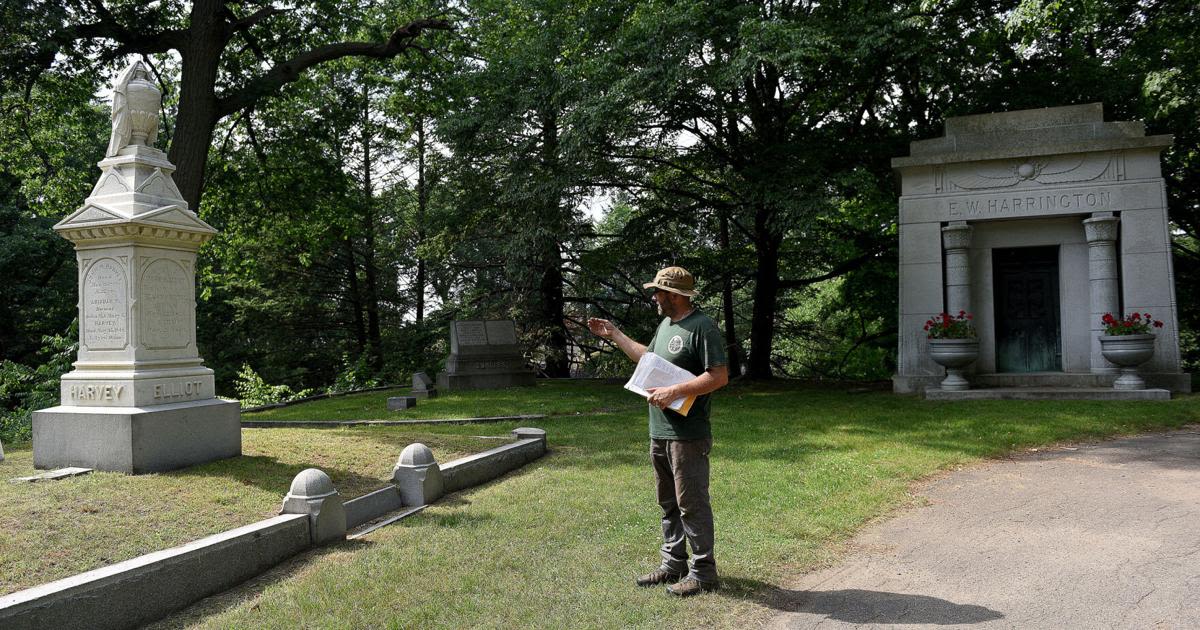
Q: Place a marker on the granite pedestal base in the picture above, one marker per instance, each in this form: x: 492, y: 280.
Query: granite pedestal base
x: 1179, y: 383
x: 137, y: 439
x: 485, y: 381
x: 1047, y: 393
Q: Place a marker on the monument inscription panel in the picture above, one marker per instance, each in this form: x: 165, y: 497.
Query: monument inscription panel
x: 501, y: 333
x: 471, y: 333
x: 165, y: 305
x: 105, y: 306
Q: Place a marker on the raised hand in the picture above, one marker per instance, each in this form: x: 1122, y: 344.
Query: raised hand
x: 601, y: 327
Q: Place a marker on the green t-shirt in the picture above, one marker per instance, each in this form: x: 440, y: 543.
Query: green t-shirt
x: 694, y: 344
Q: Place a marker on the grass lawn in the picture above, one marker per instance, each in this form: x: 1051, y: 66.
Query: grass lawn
x: 557, y: 544
x: 550, y: 398
x: 51, y: 530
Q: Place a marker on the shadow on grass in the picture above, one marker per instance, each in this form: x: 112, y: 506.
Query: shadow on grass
x: 251, y: 589
x: 860, y: 606
x: 268, y: 473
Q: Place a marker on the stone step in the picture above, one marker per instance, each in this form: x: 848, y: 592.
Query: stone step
x: 1047, y: 393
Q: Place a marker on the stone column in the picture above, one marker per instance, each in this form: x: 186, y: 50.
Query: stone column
x: 956, y: 240
x: 1101, y: 230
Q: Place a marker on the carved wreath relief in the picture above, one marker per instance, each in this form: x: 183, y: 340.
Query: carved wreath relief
x: 1048, y: 170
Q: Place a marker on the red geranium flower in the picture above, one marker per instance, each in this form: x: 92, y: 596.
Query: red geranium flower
x: 946, y: 326
x: 1133, y: 324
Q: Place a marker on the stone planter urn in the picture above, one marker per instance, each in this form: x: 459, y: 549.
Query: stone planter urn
x: 954, y: 355
x: 1128, y: 352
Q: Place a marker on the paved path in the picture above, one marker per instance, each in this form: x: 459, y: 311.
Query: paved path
x: 1102, y: 535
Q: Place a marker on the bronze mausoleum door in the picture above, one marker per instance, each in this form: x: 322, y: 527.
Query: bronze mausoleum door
x: 1028, y: 337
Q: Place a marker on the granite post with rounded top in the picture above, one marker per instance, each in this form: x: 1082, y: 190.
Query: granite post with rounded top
x: 312, y: 493
x: 418, y: 476
x: 140, y: 398
x: 1103, y: 285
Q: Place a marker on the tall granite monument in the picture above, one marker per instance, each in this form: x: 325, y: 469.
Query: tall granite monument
x: 1038, y: 222
x: 139, y: 399
x: 484, y: 355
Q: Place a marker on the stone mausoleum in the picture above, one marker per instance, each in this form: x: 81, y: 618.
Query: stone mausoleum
x: 1037, y: 222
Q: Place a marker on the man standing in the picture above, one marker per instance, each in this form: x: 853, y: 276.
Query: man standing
x: 679, y: 445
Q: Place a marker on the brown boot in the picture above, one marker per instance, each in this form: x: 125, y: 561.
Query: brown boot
x: 658, y: 576
x: 692, y: 586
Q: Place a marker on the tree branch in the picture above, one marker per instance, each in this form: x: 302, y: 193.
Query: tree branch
x: 290, y: 70
x: 841, y: 269
x: 254, y: 18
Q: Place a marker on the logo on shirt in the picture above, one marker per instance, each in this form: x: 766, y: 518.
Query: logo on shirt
x: 675, y: 344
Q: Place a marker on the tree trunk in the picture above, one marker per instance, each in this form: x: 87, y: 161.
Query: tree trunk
x: 766, y: 296
x: 374, y: 337
x: 558, y: 364
x: 422, y: 202
x: 360, y: 329
x: 197, y: 118
x: 732, y: 349
x: 552, y: 300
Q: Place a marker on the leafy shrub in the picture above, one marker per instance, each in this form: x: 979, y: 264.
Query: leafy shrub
x: 835, y: 333
x: 354, y: 375
x: 25, y: 389
x: 253, y: 391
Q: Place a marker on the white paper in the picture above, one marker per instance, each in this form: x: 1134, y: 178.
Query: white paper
x: 655, y: 371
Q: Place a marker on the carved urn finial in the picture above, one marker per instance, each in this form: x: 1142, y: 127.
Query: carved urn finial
x: 136, y: 102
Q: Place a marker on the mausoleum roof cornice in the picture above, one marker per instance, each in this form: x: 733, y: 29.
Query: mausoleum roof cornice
x: 1158, y: 142
x: 1025, y: 133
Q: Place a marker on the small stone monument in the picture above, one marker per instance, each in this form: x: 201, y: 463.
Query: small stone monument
x: 484, y: 355
x: 139, y: 399
x: 423, y: 386
x: 400, y: 403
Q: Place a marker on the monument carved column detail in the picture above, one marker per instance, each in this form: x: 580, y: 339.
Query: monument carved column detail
x: 956, y: 241
x: 1101, y: 230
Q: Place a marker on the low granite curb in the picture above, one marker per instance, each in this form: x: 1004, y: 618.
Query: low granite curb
x: 297, y: 401
x: 138, y: 591
x: 141, y: 590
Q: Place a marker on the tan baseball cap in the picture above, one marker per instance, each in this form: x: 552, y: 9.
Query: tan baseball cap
x: 675, y: 280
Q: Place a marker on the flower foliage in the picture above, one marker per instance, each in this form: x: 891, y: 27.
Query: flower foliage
x: 1132, y: 324
x: 946, y: 326
x: 254, y: 391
